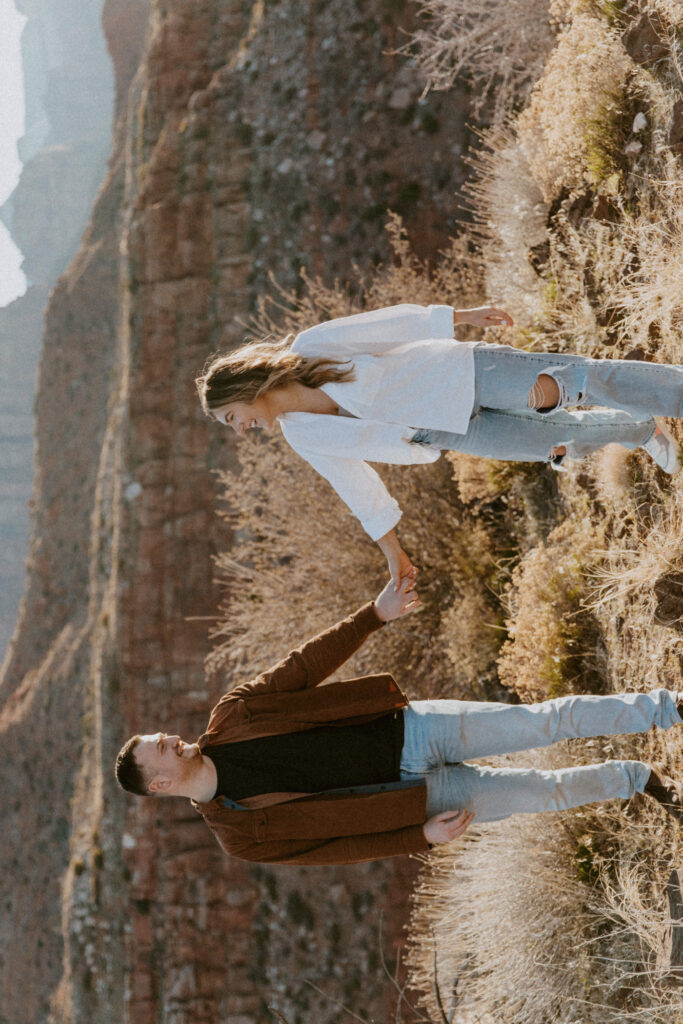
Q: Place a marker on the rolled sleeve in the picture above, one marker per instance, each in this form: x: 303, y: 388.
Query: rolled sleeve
x: 384, y: 521
x: 441, y: 321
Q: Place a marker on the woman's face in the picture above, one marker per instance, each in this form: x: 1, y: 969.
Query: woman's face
x: 243, y: 416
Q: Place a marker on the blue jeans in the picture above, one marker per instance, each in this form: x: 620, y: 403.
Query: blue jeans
x: 441, y: 736
x: 502, y: 427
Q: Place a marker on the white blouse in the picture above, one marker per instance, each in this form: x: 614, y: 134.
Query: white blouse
x: 410, y: 373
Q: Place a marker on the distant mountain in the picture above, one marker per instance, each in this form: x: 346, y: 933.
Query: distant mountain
x: 69, y: 92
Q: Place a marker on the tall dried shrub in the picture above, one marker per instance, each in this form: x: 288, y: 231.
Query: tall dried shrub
x: 498, y: 45
x: 510, y: 223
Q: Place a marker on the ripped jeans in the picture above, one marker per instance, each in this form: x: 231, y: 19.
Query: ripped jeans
x: 502, y: 427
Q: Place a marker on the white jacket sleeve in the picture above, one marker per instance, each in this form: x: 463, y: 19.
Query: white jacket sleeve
x: 379, y: 330
x: 359, y: 487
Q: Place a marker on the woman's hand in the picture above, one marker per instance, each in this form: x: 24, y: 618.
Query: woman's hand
x: 446, y: 826
x: 400, y: 567
x: 393, y: 603
x: 483, y: 316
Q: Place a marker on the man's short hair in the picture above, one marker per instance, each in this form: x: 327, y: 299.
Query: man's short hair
x: 128, y: 772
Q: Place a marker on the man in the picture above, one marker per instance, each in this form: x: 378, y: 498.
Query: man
x: 292, y: 771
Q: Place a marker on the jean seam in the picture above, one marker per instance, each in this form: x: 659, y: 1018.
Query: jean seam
x: 570, y: 426
x: 535, y: 357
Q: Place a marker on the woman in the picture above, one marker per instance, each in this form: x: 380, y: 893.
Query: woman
x: 392, y: 385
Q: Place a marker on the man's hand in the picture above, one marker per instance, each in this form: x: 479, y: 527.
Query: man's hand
x: 392, y: 603
x: 446, y: 826
x: 483, y: 316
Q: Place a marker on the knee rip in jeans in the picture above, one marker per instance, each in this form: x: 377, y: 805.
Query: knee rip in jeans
x: 549, y: 392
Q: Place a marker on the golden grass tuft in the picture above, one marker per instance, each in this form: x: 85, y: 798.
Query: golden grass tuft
x: 630, y: 570
x: 565, y: 109
x: 554, y: 646
x: 613, y: 477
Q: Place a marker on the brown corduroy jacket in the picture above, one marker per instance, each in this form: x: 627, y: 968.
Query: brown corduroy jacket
x: 339, y: 827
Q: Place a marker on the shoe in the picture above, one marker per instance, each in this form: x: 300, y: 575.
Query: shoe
x: 666, y: 793
x: 664, y: 448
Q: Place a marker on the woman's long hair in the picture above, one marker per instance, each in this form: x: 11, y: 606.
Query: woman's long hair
x: 249, y: 372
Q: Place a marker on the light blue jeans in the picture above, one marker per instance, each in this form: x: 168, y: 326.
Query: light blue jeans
x: 502, y: 427
x: 442, y: 735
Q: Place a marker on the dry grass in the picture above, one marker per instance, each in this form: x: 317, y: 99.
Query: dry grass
x: 304, y: 563
x: 631, y: 569
x: 651, y: 296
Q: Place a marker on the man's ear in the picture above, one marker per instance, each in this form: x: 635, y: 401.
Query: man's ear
x: 160, y: 784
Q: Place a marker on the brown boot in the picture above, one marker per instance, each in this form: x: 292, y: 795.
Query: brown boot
x: 665, y: 792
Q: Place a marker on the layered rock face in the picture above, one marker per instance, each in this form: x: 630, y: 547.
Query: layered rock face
x: 254, y: 138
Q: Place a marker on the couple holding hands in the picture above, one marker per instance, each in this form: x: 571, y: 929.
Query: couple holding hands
x: 289, y: 771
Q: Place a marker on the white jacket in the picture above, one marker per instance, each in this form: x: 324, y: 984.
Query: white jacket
x: 409, y: 373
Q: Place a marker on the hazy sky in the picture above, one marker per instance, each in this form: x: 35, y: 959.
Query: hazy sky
x: 12, y: 281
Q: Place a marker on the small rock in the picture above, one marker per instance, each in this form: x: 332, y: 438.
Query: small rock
x: 133, y: 491
x: 633, y: 148
x: 285, y: 166
x: 400, y: 99
x: 639, y: 122
x: 316, y: 139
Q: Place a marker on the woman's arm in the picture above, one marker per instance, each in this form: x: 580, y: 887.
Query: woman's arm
x: 400, y: 566
x: 482, y: 316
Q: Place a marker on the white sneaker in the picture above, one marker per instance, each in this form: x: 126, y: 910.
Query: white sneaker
x: 664, y: 448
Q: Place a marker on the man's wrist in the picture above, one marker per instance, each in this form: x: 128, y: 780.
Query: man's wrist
x: 378, y: 614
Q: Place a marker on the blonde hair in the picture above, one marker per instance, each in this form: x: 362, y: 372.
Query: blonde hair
x: 249, y: 372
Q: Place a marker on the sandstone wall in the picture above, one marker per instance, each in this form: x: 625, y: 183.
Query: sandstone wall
x: 253, y: 138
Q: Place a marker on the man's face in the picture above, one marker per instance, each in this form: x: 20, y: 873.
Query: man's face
x: 168, y: 762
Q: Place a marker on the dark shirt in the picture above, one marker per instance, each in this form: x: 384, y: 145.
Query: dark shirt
x: 327, y: 757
